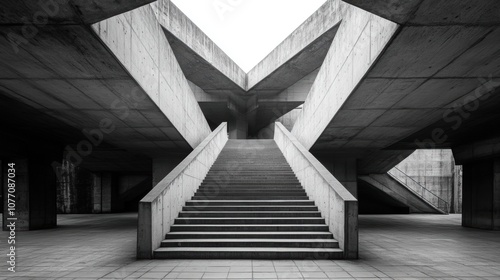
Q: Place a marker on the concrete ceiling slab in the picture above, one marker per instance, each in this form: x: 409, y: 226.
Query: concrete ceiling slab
x: 443, y: 44
x: 65, y: 12
x: 394, y: 10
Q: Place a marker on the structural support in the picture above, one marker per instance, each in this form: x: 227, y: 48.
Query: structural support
x: 481, y: 194
x: 35, y: 185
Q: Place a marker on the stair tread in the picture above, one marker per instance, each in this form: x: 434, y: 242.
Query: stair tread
x: 240, y: 212
x: 244, y: 249
x: 250, y: 232
x: 258, y: 201
x: 249, y: 240
x: 250, y: 225
x: 250, y: 218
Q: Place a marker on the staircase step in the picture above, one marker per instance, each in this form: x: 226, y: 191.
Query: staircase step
x: 249, y: 234
x: 225, y: 227
x: 251, y: 188
x: 249, y: 202
x: 249, y: 193
x: 251, y: 220
x: 250, y: 197
x: 287, y: 243
x: 248, y: 253
x: 249, y: 214
x: 250, y: 208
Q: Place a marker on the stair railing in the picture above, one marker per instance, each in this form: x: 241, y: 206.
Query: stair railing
x: 159, y: 208
x: 419, y: 189
x: 337, y: 205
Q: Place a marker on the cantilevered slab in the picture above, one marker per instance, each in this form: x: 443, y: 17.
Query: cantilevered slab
x: 64, y: 12
x: 398, y: 11
x: 433, y: 12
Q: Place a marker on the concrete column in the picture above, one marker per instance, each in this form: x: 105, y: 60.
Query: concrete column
x: 108, y: 192
x: 97, y: 194
x: 481, y: 194
x: 344, y: 169
x: 238, y: 128
x: 35, y: 184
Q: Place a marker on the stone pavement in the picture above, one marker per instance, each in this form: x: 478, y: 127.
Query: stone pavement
x: 392, y: 247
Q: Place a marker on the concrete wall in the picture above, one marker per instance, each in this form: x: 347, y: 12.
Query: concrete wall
x: 159, y: 208
x: 337, y: 205
x: 137, y: 40
x: 360, y: 39
x: 435, y: 170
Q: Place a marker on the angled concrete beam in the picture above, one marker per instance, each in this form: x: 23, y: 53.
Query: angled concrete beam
x: 297, y: 67
x: 361, y: 38
x: 325, y: 19
x: 152, y: 64
x: 202, y: 61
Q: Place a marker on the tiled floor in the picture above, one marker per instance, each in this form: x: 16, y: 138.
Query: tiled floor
x: 391, y: 247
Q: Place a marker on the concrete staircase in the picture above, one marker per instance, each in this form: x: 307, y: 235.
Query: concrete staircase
x: 250, y: 206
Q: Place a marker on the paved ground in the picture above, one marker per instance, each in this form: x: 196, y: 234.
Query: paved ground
x: 392, y: 247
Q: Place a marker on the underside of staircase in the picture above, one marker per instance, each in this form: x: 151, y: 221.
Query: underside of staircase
x: 250, y: 206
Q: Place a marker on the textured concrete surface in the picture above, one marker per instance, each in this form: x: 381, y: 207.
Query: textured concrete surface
x: 392, y: 247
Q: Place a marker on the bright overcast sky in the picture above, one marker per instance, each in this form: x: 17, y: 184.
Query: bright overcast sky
x: 247, y: 30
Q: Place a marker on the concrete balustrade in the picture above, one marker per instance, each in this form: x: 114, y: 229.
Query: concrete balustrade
x: 159, y: 208
x: 337, y: 205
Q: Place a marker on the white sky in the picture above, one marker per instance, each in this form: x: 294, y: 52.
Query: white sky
x: 247, y: 30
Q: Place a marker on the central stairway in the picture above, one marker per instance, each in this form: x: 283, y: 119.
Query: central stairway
x: 250, y: 206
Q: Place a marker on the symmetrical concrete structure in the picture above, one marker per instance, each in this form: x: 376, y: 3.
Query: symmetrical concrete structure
x: 139, y: 98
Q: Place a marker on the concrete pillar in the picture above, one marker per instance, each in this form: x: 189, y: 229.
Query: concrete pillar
x: 74, y: 190
x: 238, y: 128
x: 35, y: 191
x: 344, y: 169
x: 481, y: 194
x: 108, y: 192
x: 97, y: 194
